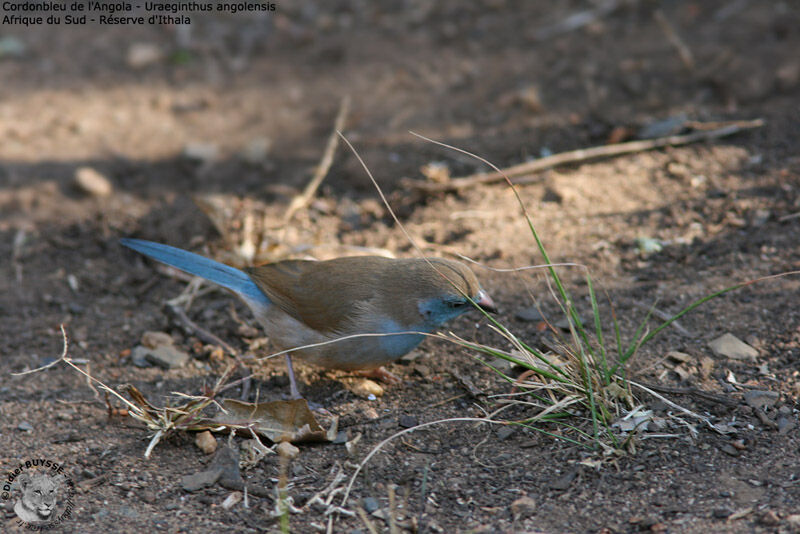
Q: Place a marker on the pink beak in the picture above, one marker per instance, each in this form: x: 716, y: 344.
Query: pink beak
x: 485, y: 302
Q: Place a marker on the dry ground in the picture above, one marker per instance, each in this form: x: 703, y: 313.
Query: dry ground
x: 479, y: 75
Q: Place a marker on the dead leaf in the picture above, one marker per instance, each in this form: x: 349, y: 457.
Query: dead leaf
x: 276, y: 420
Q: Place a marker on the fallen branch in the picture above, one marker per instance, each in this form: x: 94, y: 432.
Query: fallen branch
x: 302, y: 200
x: 580, y: 156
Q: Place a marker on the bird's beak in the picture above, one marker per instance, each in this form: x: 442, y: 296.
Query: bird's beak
x: 485, y: 302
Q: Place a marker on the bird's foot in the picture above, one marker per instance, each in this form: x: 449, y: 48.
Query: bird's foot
x: 380, y: 373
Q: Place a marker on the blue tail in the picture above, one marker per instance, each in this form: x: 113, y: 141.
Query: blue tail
x: 211, y: 270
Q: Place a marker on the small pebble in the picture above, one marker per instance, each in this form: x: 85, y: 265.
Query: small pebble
x: 25, y: 426
x: 206, y: 442
x: 201, y: 480
x: 152, y: 340
x: 141, y: 55
x: 92, y: 182
x: 407, y: 421
x: 721, y: 513
x: 167, y: 357
x: 529, y: 314
x: 371, y: 504
x: 732, y: 347
x: 366, y: 388
x: 505, y: 432
x: 232, y: 500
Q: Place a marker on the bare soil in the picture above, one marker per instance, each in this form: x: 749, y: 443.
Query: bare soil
x: 474, y: 74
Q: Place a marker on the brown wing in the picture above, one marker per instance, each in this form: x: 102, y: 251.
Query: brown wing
x: 324, y: 295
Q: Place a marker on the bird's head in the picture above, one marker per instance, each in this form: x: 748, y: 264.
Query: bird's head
x: 443, y: 289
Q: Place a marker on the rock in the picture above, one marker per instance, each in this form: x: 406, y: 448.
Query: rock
x: 732, y: 347
x: 760, y: 400
x: 256, y: 150
x: 25, y: 426
x: 203, y: 479
x: 232, y: 500
x: 152, y: 340
x: 206, y: 442
x: 648, y: 245
x: 371, y: 504
x: 721, y: 513
x: 407, y: 421
x: 341, y: 438
x: 11, y: 47
x: 202, y: 152
x: 523, y: 507
x: 166, y: 357
x: 141, y: 55
x: 92, y: 182
x: 679, y: 356
x: 138, y: 356
x: 368, y: 389
x: 664, y: 127
x: 287, y: 450
x: 785, y: 425
x: 505, y: 432
x: 529, y: 314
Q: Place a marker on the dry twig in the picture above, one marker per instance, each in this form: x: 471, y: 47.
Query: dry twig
x: 302, y: 200
x: 580, y: 156
x: 684, y: 52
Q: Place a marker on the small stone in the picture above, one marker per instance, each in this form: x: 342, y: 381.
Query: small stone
x: 341, y: 437
x: 732, y: 347
x: 202, y: 152
x: 287, y: 450
x: 721, y: 513
x: 679, y: 356
x: 256, y: 150
x: 664, y: 127
x: 760, y: 399
x: 206, y: 442
x: 201, y: 480
x: 371, y: 413
x: 167, y: 357
x: 529, y: 314
x: 11, y: 47
x: 232, y: 500
x: 523, y: 507
x: 371, y: 504
x: 366, y: 388
x: 648, y: 245
x: 92, y: 182
x: 505, y: 432
x: 564, y: 323
x: 152, y: 340
x: 138, y: 356
x: 729, y: 449
x: 25, y: 426
x: 407, y: 421
x: 141, y: 55
x: 786, y: 424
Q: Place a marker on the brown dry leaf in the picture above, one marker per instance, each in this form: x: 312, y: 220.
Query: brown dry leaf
x: 276, y: 420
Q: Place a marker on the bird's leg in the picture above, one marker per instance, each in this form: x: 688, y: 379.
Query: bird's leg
x: 382, y: 374
x: 292, y: 382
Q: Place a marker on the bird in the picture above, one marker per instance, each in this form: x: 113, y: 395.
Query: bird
x: 351, y: 313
